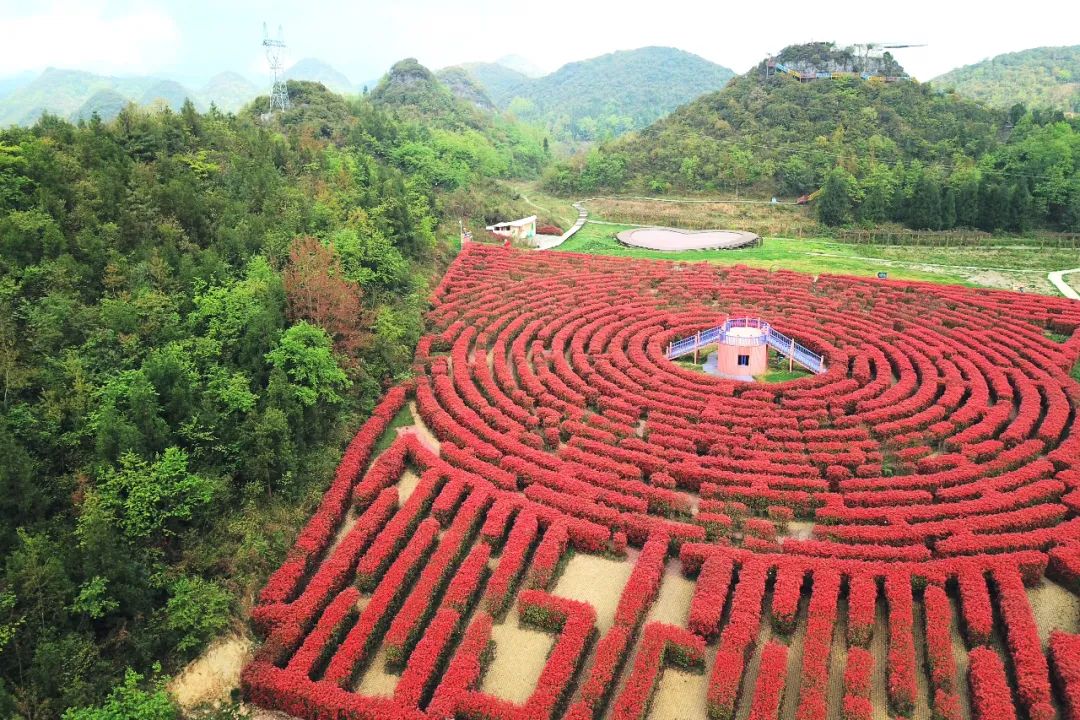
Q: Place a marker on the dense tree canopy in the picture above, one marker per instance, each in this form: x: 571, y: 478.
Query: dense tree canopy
x: 1047, y: 77
x: 926, y: 159
x: 193, y: 308
x: 605, y: 96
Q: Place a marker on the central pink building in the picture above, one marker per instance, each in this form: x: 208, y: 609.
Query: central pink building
x: 743, y: 351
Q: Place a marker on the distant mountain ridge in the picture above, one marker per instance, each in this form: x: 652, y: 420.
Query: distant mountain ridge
x: 604, y: 96
x: 1046, y: 77
x: 784, y: 136
x: 315, y: 70
x: 76, y: 95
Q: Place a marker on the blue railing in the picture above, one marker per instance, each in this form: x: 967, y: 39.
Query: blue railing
x: 775, y: 339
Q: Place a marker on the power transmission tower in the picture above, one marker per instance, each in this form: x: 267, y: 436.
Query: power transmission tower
x: 279, y: 92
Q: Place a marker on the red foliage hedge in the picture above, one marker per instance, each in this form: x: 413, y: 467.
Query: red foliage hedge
x: 935, y: 460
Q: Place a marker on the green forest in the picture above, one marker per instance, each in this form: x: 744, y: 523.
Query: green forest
x: 1046, y: 77
x: 898, y: 152
x: 196, y: 310
x: 605, y: 96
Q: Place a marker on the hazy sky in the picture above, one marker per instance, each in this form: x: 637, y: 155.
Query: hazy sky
x: 193, y: 39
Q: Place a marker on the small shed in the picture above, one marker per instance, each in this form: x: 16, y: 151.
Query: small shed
x: 523, y: 230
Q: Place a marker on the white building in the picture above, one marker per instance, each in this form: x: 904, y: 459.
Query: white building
x: 523, y: 230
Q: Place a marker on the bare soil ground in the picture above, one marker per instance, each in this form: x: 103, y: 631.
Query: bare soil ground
x: 1033, y: 282
x: 346, y: 525
x: 681, y: 695
x: 597, y: 581
x: 520, y: 655
x: 750, y: 677
x: 879, y: 648
x: 408, y: 482
x: 837, y: 664
x: 800, y: 530
x: 1055, y: 608
x: 672, y: 605
x: 960, y: 654
x: 426, y: 436
x: 375, y: 681
x: 212, y: 676
x: 790, y: 701
x: 922, y: 699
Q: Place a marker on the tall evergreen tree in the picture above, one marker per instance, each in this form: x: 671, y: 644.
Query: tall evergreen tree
x: 924, y: 209
x: 834, y: 204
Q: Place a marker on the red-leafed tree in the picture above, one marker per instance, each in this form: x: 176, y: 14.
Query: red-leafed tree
x: 317, y: 291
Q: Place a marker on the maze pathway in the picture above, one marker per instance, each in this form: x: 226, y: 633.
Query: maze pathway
x: 598, y: 533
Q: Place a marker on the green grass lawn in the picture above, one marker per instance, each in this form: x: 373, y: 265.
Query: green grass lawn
x: 777, y: 375
x: 1008, y: 267
x: 404, y: 418
x: 560, y: 208
x: 690, y: 365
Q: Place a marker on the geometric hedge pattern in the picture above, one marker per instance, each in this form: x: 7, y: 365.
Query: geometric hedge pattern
x: 855, y: 541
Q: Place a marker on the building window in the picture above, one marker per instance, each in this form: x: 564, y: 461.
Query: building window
x: 744, y: 360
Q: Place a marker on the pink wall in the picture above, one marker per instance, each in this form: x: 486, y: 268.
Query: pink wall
x: 727, y: 359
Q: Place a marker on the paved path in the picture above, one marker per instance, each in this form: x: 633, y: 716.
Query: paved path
x: 1057, y: 279
x: 546, y: 242
x: 583, y: 216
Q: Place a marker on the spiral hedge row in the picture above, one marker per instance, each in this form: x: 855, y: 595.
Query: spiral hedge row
x: 910, y: 494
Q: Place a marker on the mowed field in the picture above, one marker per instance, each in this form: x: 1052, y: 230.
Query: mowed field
x: 999, y: 263
x: 551, y: 520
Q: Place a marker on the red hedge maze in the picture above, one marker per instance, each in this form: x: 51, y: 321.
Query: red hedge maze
x: 857, y: 539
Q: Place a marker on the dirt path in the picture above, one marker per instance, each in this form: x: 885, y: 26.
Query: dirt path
x: 1055, y: 608
x: 879, y: 648
x: 376, y: 682
x: 408, y: 482
x: 960, y: 655
x: 423, y: 431
x: 793, y: 685
x: 922, y: 698
x: 837, y: 665
x: 682, y: 695
x: 212, y: 676
x: 672, y: 604
x: 520, y: 656
x: 597, y: 581
x: 750, y: 677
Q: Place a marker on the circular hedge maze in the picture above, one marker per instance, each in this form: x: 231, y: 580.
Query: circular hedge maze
x: 576, y: 527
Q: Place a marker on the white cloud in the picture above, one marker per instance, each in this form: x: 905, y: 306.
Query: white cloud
x: 137, y: 38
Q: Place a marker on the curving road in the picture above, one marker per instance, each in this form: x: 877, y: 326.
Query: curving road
x: 1057, y: 279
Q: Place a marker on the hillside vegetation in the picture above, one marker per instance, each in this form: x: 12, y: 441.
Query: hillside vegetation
x: 605, y: 96
x: 1046, y: 77
x: 194, y: 310
x: 889, y: 151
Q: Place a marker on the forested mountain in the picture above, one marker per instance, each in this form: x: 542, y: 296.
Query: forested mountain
x: 74, y: 95
x: 605, y: 96
x: 520, y: 64
x: 905, y: 153
x: 1046, y: 77
x: 105, y: 104
x: 462, y: 86
x: 64, y: 92
x: 195, y: 312
x: 228, y: 91
x: 13, y: 82
x: 499, y: 82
